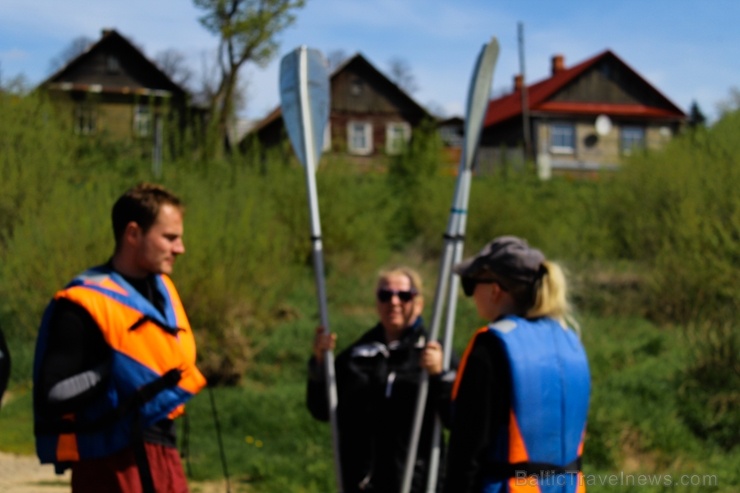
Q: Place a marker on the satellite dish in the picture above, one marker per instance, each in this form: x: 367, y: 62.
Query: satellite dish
x: 603, y: 125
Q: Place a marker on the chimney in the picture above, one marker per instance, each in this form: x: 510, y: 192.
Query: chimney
x: 558, y: 64
x: 518, y: 82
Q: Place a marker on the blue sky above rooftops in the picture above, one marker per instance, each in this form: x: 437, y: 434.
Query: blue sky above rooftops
x: 686, y: 48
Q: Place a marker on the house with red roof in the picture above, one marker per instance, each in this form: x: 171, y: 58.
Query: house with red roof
x: 580, y: 119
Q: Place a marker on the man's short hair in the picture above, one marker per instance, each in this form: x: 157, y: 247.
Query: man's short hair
x: 140, y: 204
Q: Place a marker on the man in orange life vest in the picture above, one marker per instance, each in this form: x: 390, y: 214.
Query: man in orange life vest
x: 115, y: 358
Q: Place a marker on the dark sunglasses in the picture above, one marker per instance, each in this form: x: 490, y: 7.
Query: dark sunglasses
x: 385, y: 295
x: 469, y: 283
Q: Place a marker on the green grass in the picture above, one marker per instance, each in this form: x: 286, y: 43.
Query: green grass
x: 270, y: 441
x: 16, y: 421
x: 635, y: 426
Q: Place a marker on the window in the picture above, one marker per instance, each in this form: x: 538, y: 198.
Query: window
x: 606, y: 70
x: 360, y: 138
x: 630, y: 138
x: 84, y: 118
x: 112, y: 65
x: 356, y: 87
x: 397, y: 134
x: 326, y: 145
x: 562, y: 138
x: 451, y: 136
x: 142, y: 121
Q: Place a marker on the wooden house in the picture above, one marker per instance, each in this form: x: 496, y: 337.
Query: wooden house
x: 579, y: 119
x: 114, y: 91
x: 369, y: 115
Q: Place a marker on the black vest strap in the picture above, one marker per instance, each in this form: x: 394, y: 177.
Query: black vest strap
x: 500, y: 470
x: 142, y: 461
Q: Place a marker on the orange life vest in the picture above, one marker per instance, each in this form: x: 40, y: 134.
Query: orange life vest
x: 146, y: 345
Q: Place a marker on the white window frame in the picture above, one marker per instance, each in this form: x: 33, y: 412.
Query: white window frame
x: 356, y: 87
x: 112, y: 64
x: 142, y: 120
x: 85, y: 118
x: 451, y: 136
x: 560, y: 134
x: 631, y: 137
x: 363, y: 146
x: 326, y: 145
x: 397, y: 135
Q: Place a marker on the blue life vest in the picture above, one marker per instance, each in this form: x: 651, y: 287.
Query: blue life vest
x: 550, y: 386
x: 146, y: 344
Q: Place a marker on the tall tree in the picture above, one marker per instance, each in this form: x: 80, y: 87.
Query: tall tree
x: 17, y: 84
x: 436, y: 109
x: 173, y: 63
x: 729, y: 104
x: 247, y: 31
x: 401, y: 75
x: 75, y: 48
x: 696, y: 116
x: 335, y: 58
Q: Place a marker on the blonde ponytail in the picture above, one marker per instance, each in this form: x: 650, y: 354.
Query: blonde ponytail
x: 551, y: 297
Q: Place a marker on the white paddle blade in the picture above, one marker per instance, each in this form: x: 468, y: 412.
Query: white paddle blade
x: 304, y: 98
x: 478, y: 97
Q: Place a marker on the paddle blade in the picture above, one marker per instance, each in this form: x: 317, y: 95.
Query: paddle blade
x: 478, y: 96
x: 304, y: 99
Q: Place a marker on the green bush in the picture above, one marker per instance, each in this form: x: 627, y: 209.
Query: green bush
x: 68, y: 233
x: 35, y: 153
x: 678, y: 213
x: 709, y: 384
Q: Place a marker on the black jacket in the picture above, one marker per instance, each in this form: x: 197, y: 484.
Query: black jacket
x: 377, y: 387
x: 480, y: 412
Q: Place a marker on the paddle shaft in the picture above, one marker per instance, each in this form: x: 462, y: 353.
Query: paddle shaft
x: 478, y: 95
x: 309, y: 154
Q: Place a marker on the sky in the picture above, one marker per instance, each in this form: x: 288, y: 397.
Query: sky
x: 685, y: 48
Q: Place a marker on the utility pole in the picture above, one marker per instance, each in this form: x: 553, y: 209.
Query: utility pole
x: 525, y: 104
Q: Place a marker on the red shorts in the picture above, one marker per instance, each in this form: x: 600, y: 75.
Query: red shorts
x: 119, y: 472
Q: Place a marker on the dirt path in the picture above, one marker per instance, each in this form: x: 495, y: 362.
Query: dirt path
x: 23, y: 474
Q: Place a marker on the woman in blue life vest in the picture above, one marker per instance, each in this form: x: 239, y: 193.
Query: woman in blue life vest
x: 521, y: 396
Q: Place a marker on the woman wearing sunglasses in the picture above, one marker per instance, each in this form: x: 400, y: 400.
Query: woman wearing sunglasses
x: 377, y: 383
x: 522, y: 392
